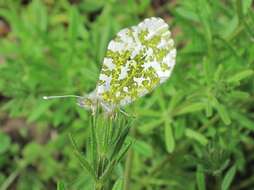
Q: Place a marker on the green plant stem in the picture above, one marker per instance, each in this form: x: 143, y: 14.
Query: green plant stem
x: 218, y: 182
x: 10, y: 180
x: 128, y: 167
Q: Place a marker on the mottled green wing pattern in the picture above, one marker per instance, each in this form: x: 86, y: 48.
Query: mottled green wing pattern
x: 137, y: 60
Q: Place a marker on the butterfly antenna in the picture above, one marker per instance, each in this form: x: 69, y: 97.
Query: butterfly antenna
x: 65, y: 96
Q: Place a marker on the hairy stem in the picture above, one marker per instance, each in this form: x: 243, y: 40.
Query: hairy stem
x: 127, y: 173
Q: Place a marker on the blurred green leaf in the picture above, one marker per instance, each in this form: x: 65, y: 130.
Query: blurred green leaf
x: 243, y: 120
x: 38, y: 111
x: 142, y: 148
x: 222, y: 112
x: 5, y: 142
x: 196, y: 136
x: 169, y: 138
x: 60, y: 186
x: 190, y: 107
x: 148, y: 127
x: 120, y: 142
x: 40, y: 12
x: 73, y: 24
x: 32, y: 152
x: 187, y: 14
x: 230, y: 27
x: 204, y: 17
x: 228, y: 178
x: 240, y: 76
x: 200, y: 177
x: 91, y: 5
x: 118, y: 185
x: 247, y: 5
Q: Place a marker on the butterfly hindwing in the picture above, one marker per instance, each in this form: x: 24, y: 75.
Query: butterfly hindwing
x: 138, y: 59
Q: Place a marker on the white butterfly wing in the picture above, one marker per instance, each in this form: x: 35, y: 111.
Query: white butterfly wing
x: 138, y: 59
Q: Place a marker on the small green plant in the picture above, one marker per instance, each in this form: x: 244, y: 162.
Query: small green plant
x: 106, y: 147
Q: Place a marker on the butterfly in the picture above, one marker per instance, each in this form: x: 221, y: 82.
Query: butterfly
x: 138, y: 59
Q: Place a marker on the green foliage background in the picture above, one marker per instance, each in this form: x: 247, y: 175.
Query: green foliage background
x: 193, y: 132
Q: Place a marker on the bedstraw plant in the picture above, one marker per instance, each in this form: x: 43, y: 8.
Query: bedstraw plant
x: 194, y: 132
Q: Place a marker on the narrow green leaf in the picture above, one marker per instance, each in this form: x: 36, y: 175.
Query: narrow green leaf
x: 227, y: 180
x: 243, y: 120
x: 94, y: 142
x: 149, y: 126
x: 105, y: 30
x: 197, y: 136
x: 38, y: 111
x: 119, y: 143
x: 239, y: 94
x: 40, y: 15
x: 240, y: 76
x: 218, y: 73
x: 239, y: 8
x: 204, y: 17
x: 230, y: 47
x: 208, y: 70
x: 92, y: 6
x: 73, y: 23
x: 187, y: 14
x: 179, y: 128
x: 246, y: 5
x: 175, y: 100
x: 169, y: 138
x: 108, y: 170
x: 223, y: 114
x: 148, y: 113
x: 124, y: 151
x: 222, y: 111
x: 200, y: 177
x: 144, y: 5
x: 5, y: 142
x: 190, y: 108
x: 143, y: 148
x: 60, y: 186
x: 209, y: 110
x: 85, y: 164
x: 118, y: 185
x: 230, y: 27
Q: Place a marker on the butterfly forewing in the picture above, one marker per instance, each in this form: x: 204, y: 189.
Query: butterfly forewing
x: 137, y: 60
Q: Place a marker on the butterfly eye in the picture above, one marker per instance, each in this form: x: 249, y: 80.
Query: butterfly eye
x: 129, y: 58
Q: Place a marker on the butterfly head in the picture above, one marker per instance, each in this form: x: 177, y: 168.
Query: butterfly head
x: 89, y: 102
